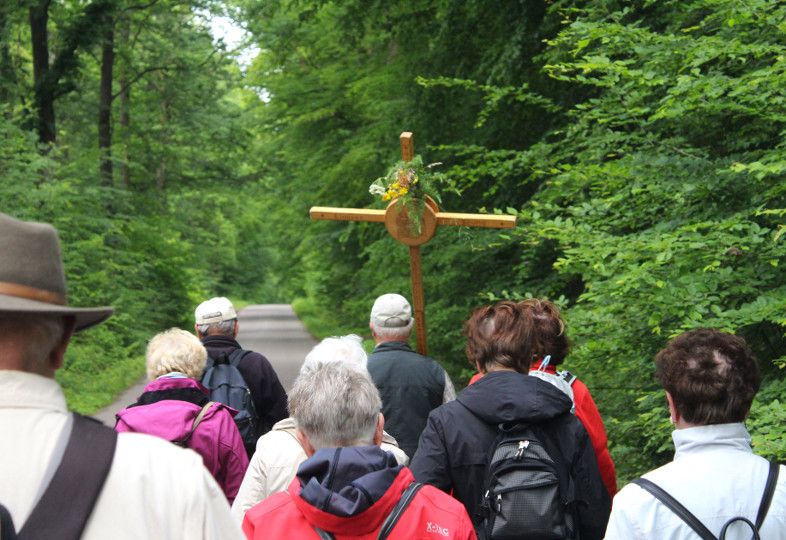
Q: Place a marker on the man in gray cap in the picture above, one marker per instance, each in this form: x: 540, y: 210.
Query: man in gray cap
x: 216, y: 325
x: 63, y: 475
x: 411, y: 385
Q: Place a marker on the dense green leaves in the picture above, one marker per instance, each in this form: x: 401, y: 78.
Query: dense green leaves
x: 641, y: 145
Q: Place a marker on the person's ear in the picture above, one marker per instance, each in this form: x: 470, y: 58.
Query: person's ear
x: 234, y: 333
x: 675, y: 415
x: 304, y: 442
x: 380, y: 429
x: 373, y: 333
x: 196, y: 330
x: 57, y: 355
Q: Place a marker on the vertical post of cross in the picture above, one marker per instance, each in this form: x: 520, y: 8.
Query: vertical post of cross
x: 418, y: 301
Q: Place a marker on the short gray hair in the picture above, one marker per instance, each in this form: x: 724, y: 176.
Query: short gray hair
x: 335, y: 405
x: 225, y: 328
x: 175, y: 350
x: 347, y: 349
x: 38, y: 335
x: 393, y: 332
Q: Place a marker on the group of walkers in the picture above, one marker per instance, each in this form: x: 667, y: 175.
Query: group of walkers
x: 364, y: 446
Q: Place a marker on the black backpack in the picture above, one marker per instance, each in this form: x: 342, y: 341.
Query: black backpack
x: 226, y: 385
x: 685, y: 515
x: 528, y: 491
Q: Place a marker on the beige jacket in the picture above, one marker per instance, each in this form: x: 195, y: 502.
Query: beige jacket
x: 154, y: 489
x: 275, y: 462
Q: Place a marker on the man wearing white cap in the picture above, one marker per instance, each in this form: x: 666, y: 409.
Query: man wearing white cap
x: 63, y: 475
x: 411, y: 385
x: 217, y: 326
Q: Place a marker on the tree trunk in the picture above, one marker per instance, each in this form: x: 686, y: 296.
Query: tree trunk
x: 124, y: 117
x: 43, y: 87
x: 105, y: 104
x: 165, y: 137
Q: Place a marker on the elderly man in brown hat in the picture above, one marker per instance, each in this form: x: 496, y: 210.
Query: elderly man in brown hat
x: 63, y: 475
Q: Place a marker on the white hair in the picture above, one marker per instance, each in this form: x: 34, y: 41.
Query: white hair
x: 393, y: 332
x: 175, y: 350
x: 345, y: 349
x: 225, y: 328
x: 335, y: 405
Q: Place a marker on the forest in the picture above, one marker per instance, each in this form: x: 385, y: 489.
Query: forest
x: 641, y: 145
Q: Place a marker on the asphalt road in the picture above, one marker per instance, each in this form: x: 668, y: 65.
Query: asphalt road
x: 272, y: 329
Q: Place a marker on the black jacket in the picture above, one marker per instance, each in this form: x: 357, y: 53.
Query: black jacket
x: 411, y: 386
x: 270, y: 398
x: 454, y: 448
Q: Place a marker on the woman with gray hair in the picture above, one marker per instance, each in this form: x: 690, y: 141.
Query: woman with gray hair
x: 279, y: 452
x: 176, y: 407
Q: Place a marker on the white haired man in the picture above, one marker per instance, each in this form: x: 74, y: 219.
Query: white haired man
x: 63, y: 475
x: 349, y: 485
x: 279, y: 452
x: 216, y: 325
x: 411, y: 385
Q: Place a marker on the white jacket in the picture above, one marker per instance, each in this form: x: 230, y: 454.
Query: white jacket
x: 275, y: 462
x: 154, y: 489
x: 716, y: 476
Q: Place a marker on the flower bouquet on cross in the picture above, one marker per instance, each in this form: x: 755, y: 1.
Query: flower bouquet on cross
x: 414, y: 185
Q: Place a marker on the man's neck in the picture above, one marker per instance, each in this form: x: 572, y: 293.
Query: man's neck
x: 378, y: 340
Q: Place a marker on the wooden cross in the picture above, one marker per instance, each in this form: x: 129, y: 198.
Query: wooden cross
x: 397, y: 224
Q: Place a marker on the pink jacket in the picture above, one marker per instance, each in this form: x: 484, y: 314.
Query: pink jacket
x: 216, y: 438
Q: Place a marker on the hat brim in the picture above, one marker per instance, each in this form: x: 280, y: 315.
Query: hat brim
x: 85, y: 317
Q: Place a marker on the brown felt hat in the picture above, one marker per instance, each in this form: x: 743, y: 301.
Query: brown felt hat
x: 32, y: 279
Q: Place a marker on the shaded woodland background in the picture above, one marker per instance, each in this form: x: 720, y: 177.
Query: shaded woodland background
x: 641, y: 145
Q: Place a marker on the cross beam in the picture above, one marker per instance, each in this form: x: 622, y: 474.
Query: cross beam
x: 397, y: 224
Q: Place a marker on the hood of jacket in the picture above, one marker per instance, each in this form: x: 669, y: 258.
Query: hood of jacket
x: 508, y: 396
x: 349, y: 489
x: 170, y: 419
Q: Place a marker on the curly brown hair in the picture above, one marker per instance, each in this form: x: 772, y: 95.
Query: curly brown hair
x: 513, y: 335
x: 712, y: 376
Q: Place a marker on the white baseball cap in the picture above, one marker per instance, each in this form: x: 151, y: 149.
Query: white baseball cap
x: 215, y: 310
x: 391, y: 311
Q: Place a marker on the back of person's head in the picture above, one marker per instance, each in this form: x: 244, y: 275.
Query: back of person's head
x: 501, y: 335
x: 712, y: 376
x: 335, y: 405
x: 175, y: 350
x: 391, y: 317
x: 29, y: 338
x: 344, y: 349
x: 549, y: 337
x: 216, y: 316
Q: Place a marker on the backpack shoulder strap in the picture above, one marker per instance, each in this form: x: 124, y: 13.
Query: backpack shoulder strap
x: 68, y: 501
x: 769, y: 491
x: 237, y: 355
x: 398, y: 510
x: 567, y: 376
x: 324, y: 535
x: 196, y: 422
x: 7, y: 530
x: 672, y: 504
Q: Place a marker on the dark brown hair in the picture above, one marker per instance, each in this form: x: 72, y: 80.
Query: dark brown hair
x: 712, y: 376
x: 514, y: 334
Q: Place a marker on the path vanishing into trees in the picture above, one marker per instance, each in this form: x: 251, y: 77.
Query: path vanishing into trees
x: 271, y: 329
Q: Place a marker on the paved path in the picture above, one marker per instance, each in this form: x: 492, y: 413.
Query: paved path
x: 272, y: 329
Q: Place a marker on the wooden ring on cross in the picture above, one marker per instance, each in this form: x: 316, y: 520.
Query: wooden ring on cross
x: 399, y: 227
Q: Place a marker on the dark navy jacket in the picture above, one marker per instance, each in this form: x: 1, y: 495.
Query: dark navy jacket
x: 270, y: 398
x: 411, y: 386
x: 454, y: 448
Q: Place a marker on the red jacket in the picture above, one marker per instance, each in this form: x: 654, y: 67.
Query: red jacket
x: 432, y: 513
x: 587, y: 412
